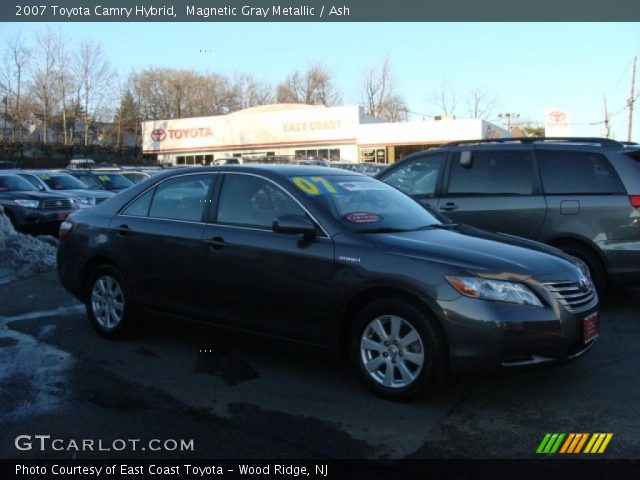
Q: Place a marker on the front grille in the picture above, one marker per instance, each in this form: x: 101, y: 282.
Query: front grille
x: 572, y: 295
x: 59, y: 203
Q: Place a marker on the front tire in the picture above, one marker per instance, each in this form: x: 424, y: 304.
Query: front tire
x: 396, y: 348
x: 109, y: 304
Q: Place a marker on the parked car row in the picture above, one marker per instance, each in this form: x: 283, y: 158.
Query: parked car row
x: 32, y: 210
x: 36, y: 201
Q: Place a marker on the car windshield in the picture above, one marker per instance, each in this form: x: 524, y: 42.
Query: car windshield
x: 61, y: 182
x: 113, y: 181
x: 365, y: 205
x: 89, y: 180
x: 13, y: 183
x: 135, y: 177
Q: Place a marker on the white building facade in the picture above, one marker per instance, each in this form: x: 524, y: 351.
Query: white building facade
x: 302, y: 131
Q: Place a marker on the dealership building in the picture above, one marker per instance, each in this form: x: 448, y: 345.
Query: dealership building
x: 303, y: 131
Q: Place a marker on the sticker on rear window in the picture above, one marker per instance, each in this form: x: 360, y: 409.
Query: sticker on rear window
x: 104, y: 178
x: 44, y: 176
x: 362, y: 217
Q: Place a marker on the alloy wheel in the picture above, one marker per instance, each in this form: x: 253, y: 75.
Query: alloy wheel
x: 107, y: 302
x: 392, y: 351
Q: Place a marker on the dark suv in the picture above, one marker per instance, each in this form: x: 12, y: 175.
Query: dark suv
x: 581, y: 195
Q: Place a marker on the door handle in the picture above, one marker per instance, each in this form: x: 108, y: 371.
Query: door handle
x: 448, y: 207
x: 216, y: 243
x: 123, y: 230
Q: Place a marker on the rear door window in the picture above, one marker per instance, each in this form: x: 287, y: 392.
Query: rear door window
x: 571, y: 172
x: 493, y: 173
x: 181, y: 198
x: 140, y: 207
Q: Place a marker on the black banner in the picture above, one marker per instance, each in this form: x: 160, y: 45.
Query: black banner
x: 317, y: 10
x: 321, y: 469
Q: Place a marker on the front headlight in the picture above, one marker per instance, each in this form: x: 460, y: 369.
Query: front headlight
x: 85, y: 201
x: 27, y: 203
x: 501, y: 291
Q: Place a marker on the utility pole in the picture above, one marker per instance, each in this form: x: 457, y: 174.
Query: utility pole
x: 631, y: 100
x: 607, y: 132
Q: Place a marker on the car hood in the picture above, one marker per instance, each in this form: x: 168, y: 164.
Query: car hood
x: 85, y: 193
x: 480, y: 252
x: 35, y: 195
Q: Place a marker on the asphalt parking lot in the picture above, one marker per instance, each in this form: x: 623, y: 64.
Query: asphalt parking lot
x: 258, y: 398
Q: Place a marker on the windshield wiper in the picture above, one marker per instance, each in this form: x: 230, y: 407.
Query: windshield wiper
x: 434, y: 226
x: 382, y: 230
x: 440, y: 226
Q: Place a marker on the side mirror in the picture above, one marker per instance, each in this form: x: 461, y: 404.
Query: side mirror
x: 294, y: 224
x: 466, y: 159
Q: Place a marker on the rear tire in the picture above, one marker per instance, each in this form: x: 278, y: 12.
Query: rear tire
x: 109, y: 304
x: 396, y: 348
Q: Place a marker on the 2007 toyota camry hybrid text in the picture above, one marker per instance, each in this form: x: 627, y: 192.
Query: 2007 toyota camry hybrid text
x: 332, y: 258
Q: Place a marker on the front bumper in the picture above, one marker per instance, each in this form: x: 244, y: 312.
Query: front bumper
x: 485, y: 335
x: 37, y: 220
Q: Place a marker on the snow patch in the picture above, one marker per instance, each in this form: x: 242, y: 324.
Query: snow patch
x: 23, y: 256
x: 33, y: 376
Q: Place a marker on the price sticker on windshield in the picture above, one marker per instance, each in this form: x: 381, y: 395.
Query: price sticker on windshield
x: 104, y: 178
x: 362, y: 186
x: 44, y: 176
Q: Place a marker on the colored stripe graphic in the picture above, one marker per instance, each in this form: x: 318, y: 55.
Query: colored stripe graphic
x: 598, y: 443
x: 550, y: 443
x: 543, y: 443
x: 574, y: 443
x: 567, y: 443
x: 581, y: 443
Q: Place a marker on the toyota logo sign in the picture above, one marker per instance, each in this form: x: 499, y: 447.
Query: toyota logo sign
x: 158, y: 134
x: 557, y: 116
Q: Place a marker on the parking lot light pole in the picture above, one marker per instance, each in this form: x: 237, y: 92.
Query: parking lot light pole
x: 508, y: 117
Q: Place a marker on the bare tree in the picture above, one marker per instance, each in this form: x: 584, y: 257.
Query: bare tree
x: 247, y: 91
x: 64, y: 80
x: 314, y: 87
x: 446, y: 100
x: 480, y: 103
x: 43, y: 79
x: 380, y: 94
x: 16, y: 61
x: 93, y: 74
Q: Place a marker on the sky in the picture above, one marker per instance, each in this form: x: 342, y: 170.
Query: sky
x: 528, y: 67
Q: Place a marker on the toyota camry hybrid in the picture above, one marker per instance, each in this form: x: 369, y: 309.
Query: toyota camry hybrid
x: 332, y: 258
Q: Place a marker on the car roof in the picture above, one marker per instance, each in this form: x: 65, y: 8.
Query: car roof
x: 94, y: 172
x: 278, y: 169
x: 36, y: 172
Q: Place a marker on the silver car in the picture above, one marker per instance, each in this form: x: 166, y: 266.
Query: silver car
x: 65, y: 185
